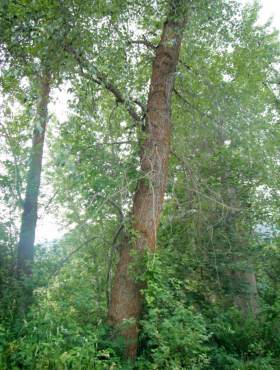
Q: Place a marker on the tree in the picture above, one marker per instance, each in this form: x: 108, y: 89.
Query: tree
x: 30, y: 206
x: 29, y: 59
x: 126, y: 301
x: 222, y: 163
x: 180, y: 233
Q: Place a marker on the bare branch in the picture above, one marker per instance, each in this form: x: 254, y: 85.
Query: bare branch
x: 187, y: 169
x: 68, y: 257
x: 144, y: 42
x: 102, y: 80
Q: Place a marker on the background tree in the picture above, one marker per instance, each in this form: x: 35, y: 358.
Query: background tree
x: 27, y: 40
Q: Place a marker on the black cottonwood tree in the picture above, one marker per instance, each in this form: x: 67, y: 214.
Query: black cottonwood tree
x: 126, y: 302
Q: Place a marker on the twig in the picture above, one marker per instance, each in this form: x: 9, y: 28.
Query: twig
x: 67, y: 258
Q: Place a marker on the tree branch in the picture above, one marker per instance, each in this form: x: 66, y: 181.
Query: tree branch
x: 144, y: 42
x: 68, y: 257
x: 102, y: 80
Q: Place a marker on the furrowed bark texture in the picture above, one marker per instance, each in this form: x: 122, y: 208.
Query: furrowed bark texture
x: 126, y: 301
x: 29, y: 216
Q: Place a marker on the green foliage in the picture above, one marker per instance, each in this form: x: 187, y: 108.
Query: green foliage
x: 64, y: 329
x: 173, y: 335
x: 242, y: 344
x: 52, y: 341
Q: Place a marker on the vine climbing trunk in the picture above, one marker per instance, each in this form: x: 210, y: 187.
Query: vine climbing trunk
x: 126, y: 301
x: 29, y: 217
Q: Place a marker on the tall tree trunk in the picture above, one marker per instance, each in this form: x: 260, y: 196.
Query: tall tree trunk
x: 126, y: 301
x: 245, y: 296
x: 243, y: 278
x: 29, y: 216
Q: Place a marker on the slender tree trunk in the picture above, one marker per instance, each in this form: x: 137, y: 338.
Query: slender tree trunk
x: 126, y: 301
x: 245, y: 296
x: 29, y: 216
x: 243, y: 278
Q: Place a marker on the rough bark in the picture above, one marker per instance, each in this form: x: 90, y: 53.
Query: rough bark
x: 29, y: 217
x: 126, y: 301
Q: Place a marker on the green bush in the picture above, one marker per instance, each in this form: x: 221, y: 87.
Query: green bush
x: 173, y: 335
x: 49, y: 341
x: 241, y: 344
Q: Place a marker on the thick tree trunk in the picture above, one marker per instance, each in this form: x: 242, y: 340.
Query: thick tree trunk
x: 126, y: 300
x: 29, y: 216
